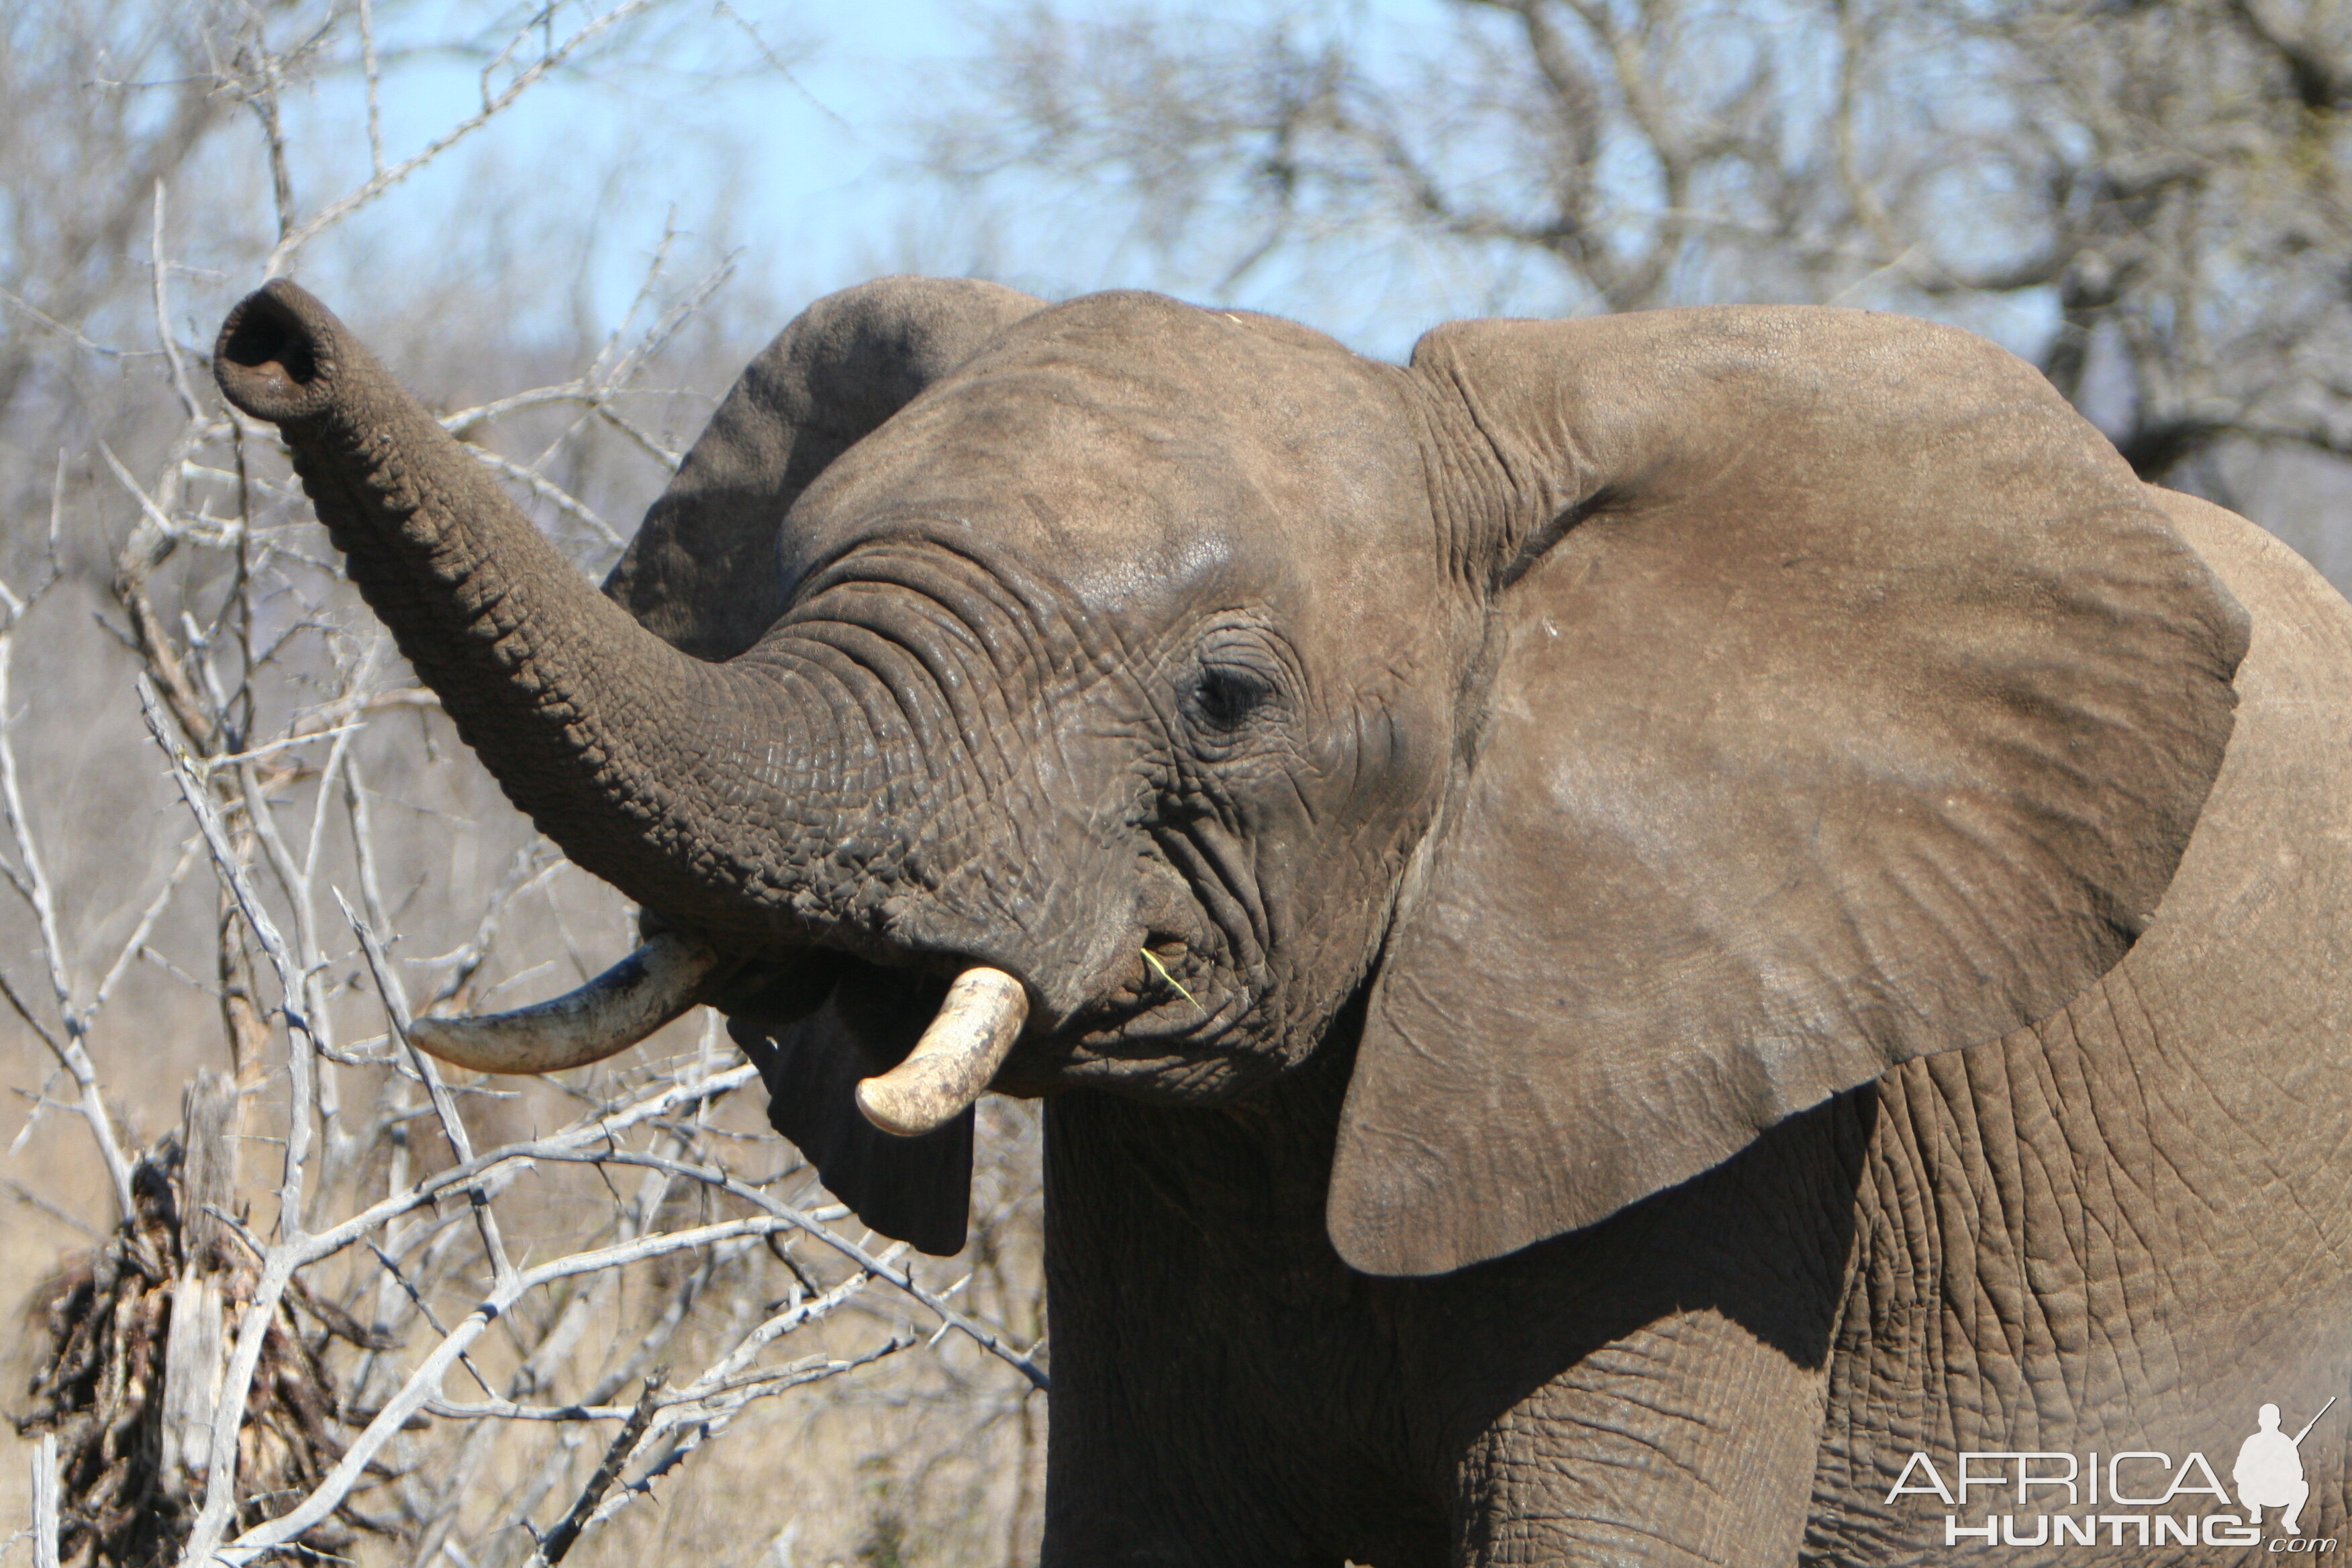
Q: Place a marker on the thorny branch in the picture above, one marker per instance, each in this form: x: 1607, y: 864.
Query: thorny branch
x: 295, y: 236
x: 262, y: 684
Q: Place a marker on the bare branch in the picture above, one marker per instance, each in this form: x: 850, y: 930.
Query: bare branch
x: 32, y: 882
x: 395, y: 1005
x: 549, y: 491
x: 162, y: 276
x: 44, y: 1501
x: 374, y: 89
x: 558, y: 1542
x: 294, y: 237
x: 232, y: 874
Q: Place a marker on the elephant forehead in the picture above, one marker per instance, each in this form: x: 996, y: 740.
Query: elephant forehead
x: 1133, y: 446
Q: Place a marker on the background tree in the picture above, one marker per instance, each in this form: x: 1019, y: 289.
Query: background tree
x: 2146, y: 198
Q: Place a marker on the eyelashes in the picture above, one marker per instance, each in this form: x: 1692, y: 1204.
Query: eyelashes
x: 1226, y: 697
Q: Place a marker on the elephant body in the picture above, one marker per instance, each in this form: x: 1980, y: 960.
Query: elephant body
x: 2122, y: 1228
x: 1631, y: 931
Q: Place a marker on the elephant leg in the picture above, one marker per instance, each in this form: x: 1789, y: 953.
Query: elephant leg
x: 1100, y: 1511
x: 1688, y: 1441
x: 1218, y: 1378
x: 1651, y: 1390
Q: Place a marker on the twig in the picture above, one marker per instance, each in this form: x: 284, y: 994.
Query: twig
x: 295, y: 236
x: 558, y: 1542
x: 162, y: 281
x: 704, y: 1428
x: 144, y: 928
x: 25, y: 1195
x: 375, y: 98
x: 424, y: 1383
x: 981, y: 1334
x: 391, y: 1266
x: 218, y: 1511
x: 555, y: 495
x: 33, y: 882
x: 233, y: 873
x: 395, y: 1006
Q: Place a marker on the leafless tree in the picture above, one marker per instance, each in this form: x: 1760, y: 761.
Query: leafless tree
x: 469, y: 1320
x: 2149, y: 196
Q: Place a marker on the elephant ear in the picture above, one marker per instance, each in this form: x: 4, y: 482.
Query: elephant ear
x: 1845, y: 700
x: 702, y: 573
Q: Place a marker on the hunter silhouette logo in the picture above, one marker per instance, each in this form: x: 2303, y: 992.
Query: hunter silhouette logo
x: 2135, y: 1498
x: 2269, y: 1472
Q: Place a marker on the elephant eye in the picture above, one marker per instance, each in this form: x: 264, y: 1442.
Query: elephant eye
x: 1226, y: 695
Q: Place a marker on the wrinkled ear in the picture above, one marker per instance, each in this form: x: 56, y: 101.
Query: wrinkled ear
x: 1845, y: 700
x: 702, y: 573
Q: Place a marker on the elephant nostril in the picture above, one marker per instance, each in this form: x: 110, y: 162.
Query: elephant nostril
x: 268, y: 338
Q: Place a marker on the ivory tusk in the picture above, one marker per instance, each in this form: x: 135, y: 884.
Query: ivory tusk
x: 656, y: 983
x: 954, y: 1060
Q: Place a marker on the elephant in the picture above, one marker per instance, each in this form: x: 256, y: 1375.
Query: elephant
x: 1704, y: 935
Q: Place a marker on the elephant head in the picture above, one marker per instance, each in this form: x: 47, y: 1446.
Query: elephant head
x: 1657, y: 723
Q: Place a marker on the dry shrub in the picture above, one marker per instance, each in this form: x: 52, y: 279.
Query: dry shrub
x: 104, y: 1324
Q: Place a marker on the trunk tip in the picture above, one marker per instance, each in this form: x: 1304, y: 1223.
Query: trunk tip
x: 275, y: 357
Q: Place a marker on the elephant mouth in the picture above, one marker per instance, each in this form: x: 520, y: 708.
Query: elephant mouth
x: 1161, y: 1029
x: 1156, y: 1030
x: 1174, y: 997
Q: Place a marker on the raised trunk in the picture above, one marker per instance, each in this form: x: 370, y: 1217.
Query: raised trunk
x: 709, y: 790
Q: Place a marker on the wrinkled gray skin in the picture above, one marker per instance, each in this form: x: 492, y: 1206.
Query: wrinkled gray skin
x: 1751, y: 905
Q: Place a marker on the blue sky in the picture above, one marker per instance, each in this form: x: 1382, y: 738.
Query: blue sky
x: 806, y: 171
x: 802, y: 170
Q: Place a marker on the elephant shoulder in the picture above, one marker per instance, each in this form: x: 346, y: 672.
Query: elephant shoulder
x: 2294, y: 686
x: 2251, y: 934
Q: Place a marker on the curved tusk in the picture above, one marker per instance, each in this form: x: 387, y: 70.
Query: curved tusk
x: 954, y: 1060
x: 613, y: 1012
